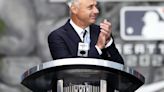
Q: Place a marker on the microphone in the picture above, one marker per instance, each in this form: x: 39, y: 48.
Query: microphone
x: 83, y: 49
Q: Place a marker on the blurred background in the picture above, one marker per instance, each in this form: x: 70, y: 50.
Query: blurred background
x: 25, y: 25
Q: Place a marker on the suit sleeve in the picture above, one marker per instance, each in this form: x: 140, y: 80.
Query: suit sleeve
x: 57, y: 46
x: 93, y: 53
x: 111, y: 53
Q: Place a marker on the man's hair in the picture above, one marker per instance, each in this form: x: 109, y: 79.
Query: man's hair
x: 71, y: 2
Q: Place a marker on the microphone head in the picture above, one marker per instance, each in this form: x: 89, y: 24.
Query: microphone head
x: 82, y: 52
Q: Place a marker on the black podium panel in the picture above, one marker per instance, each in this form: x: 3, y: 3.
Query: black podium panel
x: 43, y: 77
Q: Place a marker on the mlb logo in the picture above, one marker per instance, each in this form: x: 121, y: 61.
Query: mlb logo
x: 142, y: 23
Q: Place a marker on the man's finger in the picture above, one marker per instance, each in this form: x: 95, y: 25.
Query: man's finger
x: 104, y: 32
x: 102, y: 25
x: 106, y: 22
x: 105, y: 27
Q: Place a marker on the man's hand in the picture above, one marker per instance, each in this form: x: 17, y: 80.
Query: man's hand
x: 105, y: 34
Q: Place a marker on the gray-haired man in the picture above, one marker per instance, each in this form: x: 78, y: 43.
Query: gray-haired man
x: 65, y: 42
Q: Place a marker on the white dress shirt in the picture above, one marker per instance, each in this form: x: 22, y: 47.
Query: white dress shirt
x: 80, y: 32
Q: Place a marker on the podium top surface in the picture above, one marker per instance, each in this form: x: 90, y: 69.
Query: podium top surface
x: 41, y: 76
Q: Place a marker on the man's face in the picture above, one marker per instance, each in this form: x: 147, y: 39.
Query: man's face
x: 87, y: 11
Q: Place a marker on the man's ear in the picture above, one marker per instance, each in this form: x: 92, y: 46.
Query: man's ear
x: 74, y: 9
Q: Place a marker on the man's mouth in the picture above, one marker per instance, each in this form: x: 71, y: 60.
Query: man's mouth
x: 93, y: 17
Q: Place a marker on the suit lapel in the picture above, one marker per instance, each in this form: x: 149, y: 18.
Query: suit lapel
x: 71, y: 32
x: 94, y: 33
x: 74, y: 38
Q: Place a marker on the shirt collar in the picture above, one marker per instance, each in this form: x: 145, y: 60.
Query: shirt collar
x: 78, y: 29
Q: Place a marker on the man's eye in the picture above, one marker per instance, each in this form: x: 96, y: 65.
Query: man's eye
x: 90, y: 7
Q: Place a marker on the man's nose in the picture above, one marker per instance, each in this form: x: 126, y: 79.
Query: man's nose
x: 96, y: 10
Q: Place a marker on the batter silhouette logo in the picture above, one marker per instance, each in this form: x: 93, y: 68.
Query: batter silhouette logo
x: 142, y: 23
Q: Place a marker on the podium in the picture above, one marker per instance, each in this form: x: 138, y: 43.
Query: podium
x: 82, y: 75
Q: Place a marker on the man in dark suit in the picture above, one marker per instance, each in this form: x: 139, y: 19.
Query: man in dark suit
x: 64, y: 42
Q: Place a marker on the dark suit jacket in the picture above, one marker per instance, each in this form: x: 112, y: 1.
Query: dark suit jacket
x: 63, y: 43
